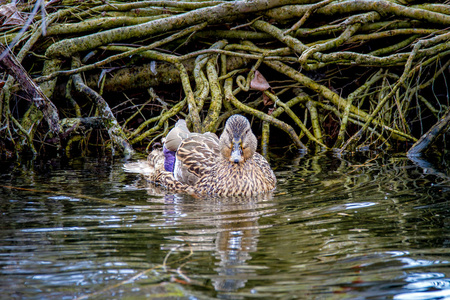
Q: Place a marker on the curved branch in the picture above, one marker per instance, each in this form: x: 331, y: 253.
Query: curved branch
x: 265, y: 117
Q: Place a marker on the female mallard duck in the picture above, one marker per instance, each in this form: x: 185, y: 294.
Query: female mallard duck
x: 204, y: 164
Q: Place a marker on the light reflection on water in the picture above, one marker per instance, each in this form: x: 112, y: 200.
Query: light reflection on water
x: 334, y: 228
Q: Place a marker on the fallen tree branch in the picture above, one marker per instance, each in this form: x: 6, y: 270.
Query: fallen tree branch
x: 224, y: 12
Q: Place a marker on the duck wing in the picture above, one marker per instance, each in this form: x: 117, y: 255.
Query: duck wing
x: 195, y: 157
x: 176, y: 136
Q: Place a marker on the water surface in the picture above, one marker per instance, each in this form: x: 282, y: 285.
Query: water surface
x: 366, y: 228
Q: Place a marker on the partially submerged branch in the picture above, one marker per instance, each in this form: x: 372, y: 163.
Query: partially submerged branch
x: 430, y: 137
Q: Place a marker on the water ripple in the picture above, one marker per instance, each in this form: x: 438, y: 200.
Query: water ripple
x: 333, y: 228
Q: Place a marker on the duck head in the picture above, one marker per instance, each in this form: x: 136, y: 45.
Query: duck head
x: 237, y: 142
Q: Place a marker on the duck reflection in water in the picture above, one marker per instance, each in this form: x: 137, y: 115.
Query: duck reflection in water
x: 226, y: 227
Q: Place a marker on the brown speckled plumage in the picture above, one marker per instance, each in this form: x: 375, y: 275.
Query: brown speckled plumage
x: 228, y: 166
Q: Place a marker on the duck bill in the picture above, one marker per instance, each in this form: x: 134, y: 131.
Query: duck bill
x: 236, y: 152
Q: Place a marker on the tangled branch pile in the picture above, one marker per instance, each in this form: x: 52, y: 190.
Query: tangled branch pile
x: 345, y: 75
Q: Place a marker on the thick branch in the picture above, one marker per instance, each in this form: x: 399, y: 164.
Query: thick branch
x: 221, y: 13
x: 15, y: 69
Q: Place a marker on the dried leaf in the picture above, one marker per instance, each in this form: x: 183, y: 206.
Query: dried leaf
x: 13, y: 16
x: 259, y: 82
x: 266, y: 100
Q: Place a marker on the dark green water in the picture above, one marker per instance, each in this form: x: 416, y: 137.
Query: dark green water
x: 367, y: 228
